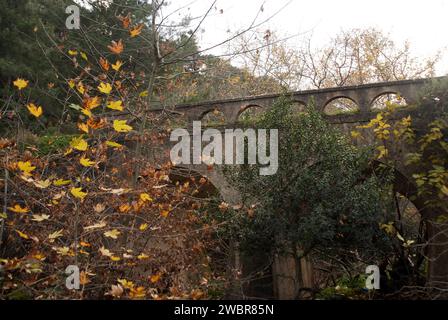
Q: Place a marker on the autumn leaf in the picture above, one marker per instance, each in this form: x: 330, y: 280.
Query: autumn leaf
x: 155, y: 277
x: 99, y: 225
x: 104, y: 64
x: 116, y: 291
x: 145, y: 197
x: 125, y: 20
x: 112, y: 234
x: 105, y: 88
x: 42, y: 184
x: 121, y: 126
x: 34, y: 110
x: 142, y: 256
x: 115, y: 105
x: 99, y: 207
x: 61, y: 182
x: 72, y: 52
x: 71, y: 83
x: 22, y: 235
x: 79, y: 144
x: 76, y: 192
x: 164, y: 213
x: 137, y: 293
x: 40, y: 218
x: 87, y: 112
x: 83, y: 127
x: 136, y: 30
x: 83, y: 55
x: 80, y: 88
x: 92, y: 102
x: 20, y: 83
x: 86, y: 162
x: 143, y: 94
x: 113, y: 144
x: 25, y: 167
x: 116, y: 47
x: 57, y: 234
x: 143, y: 227
x: 117, y: 65
x: 18, y: 209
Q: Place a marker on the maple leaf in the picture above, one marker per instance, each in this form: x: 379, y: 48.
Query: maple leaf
x: 72, y: 52
x: 83, y: 127
x: 18, y: 209
x: 83, y: 278
x: 91, y: 103
x: 126, y: 21
x: 79, y: 144
x: 57, y: 234
x: 22, y: 235
x: 104, y: 64
x: 136, y: 30
x: 25, y: 167
x: 71, y: 83
x: 83, y: 55
x: 117, y: 65
x: 121, y: 126
x: 137, y: 293
x: 116, y: 291
x: 20, y: 83
x: 113, y: 144
x: 34, y: 110
x: 42, y: 184
x: 76, y: 192
x: 155, y: 277
x: 143, y: 94
x: 105, y: 88
x: 86, y: 162
x: 116, y: 47
x: 115, y: 105
x: 145, y: 197
x: 61, y: 182
x: 87, y: 112
x: 40, y: 218
x: 143, y: 227
x: 80, y: 88
x: 112, y: 234
x: 125, y: 283
x: 142, y: 256
x: 105, y: 252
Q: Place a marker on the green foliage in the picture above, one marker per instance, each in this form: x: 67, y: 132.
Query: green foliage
x: 323, y: 196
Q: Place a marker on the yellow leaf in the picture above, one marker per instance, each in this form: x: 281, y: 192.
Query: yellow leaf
x: 18, y: 209
x: 34, y: 110
x: 145, y: 197
x: 71, y: 83
x: 115, y: 258
x: 115, y: 105
x: 383, y: 152
x: 112, y: 234
x: 155, y: 277
x: 113, y: 144
x: 143, y: 94
x: 72, y: 52
x: 355, y: 134
x: 117, y: 65
x: 136, y: 30
x: 92, y: 103
x: 143, y: 227
x: 83, y: 127
x: 40, y: 218
x: 164, y: 213
x: 80, y: 88
x: 83, y: 55
x: 124, y: 207
x: 87, y: 112
x: 20, y: 83
x: 125, y: 283
x: 105, y: 88
x: 142, y: 256
x: 76, y: 192
x: 22, y: 235
x: 121, y: 126
x: 25, y: 167
x: 79, y: 144
x: 86, y: 162
x: 61, y: 182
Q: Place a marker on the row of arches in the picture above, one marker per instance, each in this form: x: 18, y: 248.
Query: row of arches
x: 335, y: 106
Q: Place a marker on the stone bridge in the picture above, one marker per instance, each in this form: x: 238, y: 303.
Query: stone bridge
x: 364, y: 97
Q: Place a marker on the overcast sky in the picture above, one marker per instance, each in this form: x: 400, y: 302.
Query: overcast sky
x: 423, y: 23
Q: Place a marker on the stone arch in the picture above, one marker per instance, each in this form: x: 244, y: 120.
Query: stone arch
x: 380, y: 100
x: 214, y: 176
x: 213, y: 116
x: 249, y: 111
x: 341, y: 105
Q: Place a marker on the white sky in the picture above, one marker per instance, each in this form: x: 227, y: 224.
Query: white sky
x: 423, y: 23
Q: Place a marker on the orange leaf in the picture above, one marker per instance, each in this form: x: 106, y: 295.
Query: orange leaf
x: 116, y: 47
